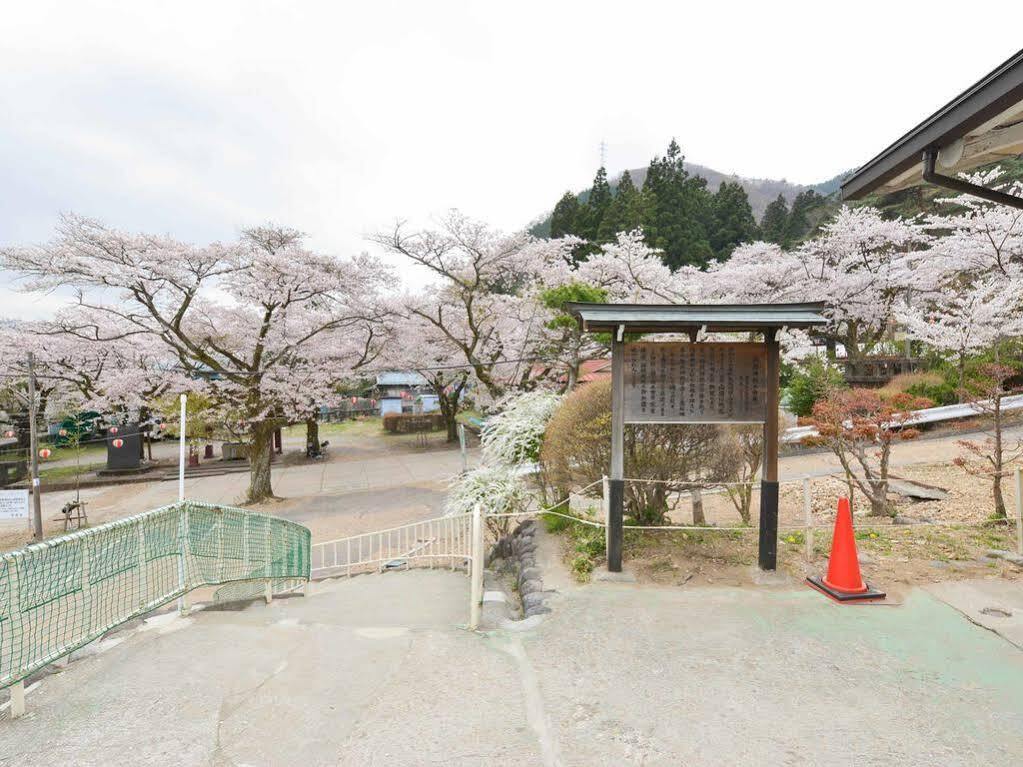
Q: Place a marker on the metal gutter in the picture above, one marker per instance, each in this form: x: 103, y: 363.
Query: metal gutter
x: 958, y: 185
x: 984, y: 100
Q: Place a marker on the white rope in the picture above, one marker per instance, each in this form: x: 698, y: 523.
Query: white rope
x: 692, y: 483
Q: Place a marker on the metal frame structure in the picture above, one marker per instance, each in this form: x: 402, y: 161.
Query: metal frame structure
x: 765, y: 319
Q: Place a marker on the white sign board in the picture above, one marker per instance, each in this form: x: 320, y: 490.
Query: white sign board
x: 13, y: 504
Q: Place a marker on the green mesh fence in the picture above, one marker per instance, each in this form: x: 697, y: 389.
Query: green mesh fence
x: 61, y: 594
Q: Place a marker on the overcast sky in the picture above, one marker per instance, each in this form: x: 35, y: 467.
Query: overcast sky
x: 200, y: 118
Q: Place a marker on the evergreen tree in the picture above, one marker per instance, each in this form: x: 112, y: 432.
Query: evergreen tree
x: 565, y: 218
x: 625, y: 212
x: 597, y: 205
x: 679, y: 210
x: 799, y: 223
x: 733, y: 219
x: 774, y: 225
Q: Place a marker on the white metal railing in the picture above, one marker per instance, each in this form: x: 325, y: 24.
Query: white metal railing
x: 442, y: 541
x: 920, y: 417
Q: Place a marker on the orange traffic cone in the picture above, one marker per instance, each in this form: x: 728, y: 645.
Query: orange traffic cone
x: 843, y: 581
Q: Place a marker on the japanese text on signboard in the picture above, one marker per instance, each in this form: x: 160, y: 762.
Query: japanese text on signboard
x: 695, y: 383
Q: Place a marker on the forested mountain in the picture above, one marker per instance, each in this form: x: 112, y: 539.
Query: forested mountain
x: 694, y: 214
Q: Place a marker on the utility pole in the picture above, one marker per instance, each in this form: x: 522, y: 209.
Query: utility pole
x: 33, y: 441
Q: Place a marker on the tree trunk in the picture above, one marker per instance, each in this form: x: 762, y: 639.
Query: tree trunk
x: 996, y: 489
x: 745, y: 502
x: 572, y: 377
x: 312, y: 437
x: 879, y: 498
x: 260, y: 453
x: 698, y: 516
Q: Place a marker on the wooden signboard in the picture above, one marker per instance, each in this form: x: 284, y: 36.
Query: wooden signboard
x: 695, y: 383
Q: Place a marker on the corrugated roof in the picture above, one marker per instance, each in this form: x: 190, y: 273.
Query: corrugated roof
x: 665, y: 318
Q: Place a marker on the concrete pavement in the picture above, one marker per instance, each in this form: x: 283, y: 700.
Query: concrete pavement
x: 376, y: 671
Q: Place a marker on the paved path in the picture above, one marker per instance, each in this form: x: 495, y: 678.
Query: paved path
x: 366, y: 485
x: 376, y: 671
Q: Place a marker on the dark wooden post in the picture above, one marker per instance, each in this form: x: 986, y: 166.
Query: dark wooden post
x: 616, y: 482
x: 769, y: 478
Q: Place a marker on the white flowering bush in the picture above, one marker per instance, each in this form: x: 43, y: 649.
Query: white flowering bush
x: 510, y: 438
x: 499, y: 489
x: 515, y: 434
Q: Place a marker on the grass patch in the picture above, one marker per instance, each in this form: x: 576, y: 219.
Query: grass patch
x: 69, y: 472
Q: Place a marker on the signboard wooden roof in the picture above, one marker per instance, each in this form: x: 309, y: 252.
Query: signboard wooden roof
x: 672, y: 318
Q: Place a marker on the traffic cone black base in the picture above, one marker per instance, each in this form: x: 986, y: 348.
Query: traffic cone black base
x: 844, y: 596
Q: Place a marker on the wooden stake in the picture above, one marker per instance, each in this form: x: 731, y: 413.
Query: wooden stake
x: 807, y: 520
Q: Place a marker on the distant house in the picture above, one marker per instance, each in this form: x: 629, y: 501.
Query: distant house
x: 589, y: 370
x: 594, y: 370
x: 397, y: 390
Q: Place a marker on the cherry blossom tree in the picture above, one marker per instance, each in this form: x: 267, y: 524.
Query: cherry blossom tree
x: 857, y: 266
x: 256, y: 320
x: 416, y: 344
x: 964, y: 319
x: 476, y: 308
x: 991, y: 457
x: 977, y: 238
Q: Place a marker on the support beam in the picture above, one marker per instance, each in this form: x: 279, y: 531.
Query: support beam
x: 965, y: 187
x: 768, y: 554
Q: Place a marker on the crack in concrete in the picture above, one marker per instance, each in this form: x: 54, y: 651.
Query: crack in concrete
x: 225, y: 710
x: 536, y: 715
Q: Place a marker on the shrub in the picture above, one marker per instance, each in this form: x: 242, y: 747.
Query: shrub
x: 859, y: 426
x: 515, y: 434
x: 932, y: 385
x: 577, y: 451
x: 810, y: 382
x: 498, y: 489
x: 582, y: 566
x: 410, y: 423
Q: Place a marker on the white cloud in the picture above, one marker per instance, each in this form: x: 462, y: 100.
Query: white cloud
x: 199, y: 118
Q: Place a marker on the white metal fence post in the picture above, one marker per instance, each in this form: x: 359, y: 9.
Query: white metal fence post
x: 183, y: 558
x: 181, y: 450
x: 807, y: 520
x: 182, y: 522
x: 1019, y: 510
x: 476, y: 585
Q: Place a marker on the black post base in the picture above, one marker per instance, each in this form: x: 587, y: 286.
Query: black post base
x: 616, y: 506
x: 768, y: 558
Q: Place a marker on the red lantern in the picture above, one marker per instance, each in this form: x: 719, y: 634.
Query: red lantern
x: 45, y: 453
x: 113, y: 430
x: 118, y: 443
